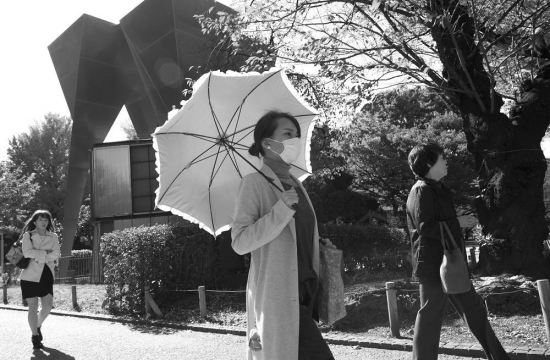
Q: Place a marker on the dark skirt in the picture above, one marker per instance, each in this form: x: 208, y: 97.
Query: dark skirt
x: 40, y: 289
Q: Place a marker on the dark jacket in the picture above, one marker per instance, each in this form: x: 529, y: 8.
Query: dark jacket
x: 429, y: 203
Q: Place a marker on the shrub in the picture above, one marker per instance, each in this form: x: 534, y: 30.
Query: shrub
x: 370, y: 248
x: 165, y: 257
x: 81, y: 253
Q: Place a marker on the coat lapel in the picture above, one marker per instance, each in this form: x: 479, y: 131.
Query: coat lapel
x: 37, y: 240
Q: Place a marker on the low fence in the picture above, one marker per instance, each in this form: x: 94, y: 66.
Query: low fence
x: 543, y: 287
x: 79, y: 269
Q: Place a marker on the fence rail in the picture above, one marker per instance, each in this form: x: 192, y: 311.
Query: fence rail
x: 79, y: 268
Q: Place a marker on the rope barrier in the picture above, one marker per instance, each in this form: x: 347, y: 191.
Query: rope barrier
x: 507, y: 292
x: 220, y: 291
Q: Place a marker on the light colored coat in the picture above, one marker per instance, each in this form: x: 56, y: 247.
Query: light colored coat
x: 35, y: 248
x: 264, y: 226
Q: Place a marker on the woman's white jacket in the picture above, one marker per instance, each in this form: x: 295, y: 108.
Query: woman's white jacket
x: 264, y: 226
x: 36, y: 249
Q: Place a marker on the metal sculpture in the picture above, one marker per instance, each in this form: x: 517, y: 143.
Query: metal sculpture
x: 142, y: 63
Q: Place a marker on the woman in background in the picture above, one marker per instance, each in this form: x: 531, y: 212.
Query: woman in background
x: 41, y: 245
x: 430, y: 202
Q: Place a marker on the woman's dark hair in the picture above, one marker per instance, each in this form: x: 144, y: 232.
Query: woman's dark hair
x: 265, y: 127
x: 30, y: 226
x: 424, y: 156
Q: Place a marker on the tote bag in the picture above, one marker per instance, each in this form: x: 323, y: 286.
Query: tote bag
x: 453, y: 270
x: 15, y: 255
x: 331, y: 285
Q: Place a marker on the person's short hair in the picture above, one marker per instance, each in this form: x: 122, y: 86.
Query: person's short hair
x: 424, y: 156
x: 265, y: 127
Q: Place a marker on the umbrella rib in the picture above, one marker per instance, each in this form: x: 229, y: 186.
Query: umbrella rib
x: 236, y: 124
x: 198, y: 136
x: 210, y: 186
x: 258, y: 170
x: 247, y: 95
x: 234, y: 161
x: 216, y: 121
x: 185, y: 168
x: 239, y: 141
x: 227, y: 153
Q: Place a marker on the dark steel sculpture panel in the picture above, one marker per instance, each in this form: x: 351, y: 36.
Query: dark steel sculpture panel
x: 142, y: 64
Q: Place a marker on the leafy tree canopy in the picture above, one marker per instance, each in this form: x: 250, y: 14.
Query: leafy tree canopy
x: 16, y: 193
x: 44, y: 151
x: 376, y: 144
x: 329, y: 187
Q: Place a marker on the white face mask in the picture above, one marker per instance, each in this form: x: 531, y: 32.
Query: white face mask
x: 291, y: 149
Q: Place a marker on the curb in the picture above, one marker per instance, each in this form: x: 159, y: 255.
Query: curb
x: 448, y: 348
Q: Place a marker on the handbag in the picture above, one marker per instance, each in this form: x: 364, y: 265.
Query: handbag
x: 15, y: 255
x: 331, y: 285
x: 455, y: 277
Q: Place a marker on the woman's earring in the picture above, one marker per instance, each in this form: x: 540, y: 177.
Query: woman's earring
x: 267, y: 146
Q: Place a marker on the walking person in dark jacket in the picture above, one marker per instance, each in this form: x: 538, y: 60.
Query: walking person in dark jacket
x: 430, y: 202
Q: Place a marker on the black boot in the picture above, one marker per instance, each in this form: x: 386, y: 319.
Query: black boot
x: 36, y: 343
x: 39, y: 333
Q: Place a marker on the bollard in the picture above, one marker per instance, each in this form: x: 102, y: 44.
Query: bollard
x: 5, y: 291
x: 473, y: 261
x: 392, y: 309
x: 202, y: 301
x: 544, y: 295
x: 75, y: 302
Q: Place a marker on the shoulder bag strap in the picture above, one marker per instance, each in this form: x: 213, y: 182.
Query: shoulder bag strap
x: 451, y: 237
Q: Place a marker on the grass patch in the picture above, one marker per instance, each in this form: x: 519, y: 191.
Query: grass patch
x: 89, y: 297
x: 522, y: 328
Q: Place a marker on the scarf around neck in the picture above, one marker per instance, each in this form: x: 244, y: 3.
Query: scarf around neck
x: 281, y: 169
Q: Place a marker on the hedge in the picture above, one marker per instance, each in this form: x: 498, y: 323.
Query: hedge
x: 165, y: 257
x: 371, y: 248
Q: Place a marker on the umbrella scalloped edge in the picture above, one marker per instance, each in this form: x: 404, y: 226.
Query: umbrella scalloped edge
x: 194, y: 220
x: 196, y: 85
x: 175, y: 211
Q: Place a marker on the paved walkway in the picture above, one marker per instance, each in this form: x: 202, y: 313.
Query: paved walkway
x: 69, y: 335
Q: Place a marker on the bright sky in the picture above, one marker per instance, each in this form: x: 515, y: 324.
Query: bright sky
x: 29, y: 84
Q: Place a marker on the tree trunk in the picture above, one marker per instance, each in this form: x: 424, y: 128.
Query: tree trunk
x: 508, y: 156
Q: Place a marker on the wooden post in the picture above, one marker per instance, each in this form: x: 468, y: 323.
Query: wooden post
x: 75, y: 302
x: 202, y: 301
x: 72, y: 276
x: 146, y: 300
x: 5, y: 291
x: 2, y: 255
x: 150, y: 303
x: 544, y: 295
x: 473, y: 261
x: 392, y: 309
